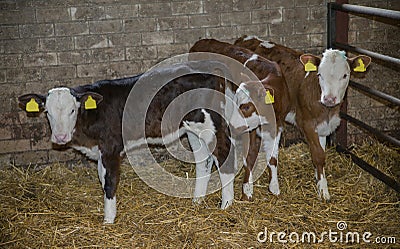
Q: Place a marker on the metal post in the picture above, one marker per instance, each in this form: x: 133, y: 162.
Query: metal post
x: 331, y: 36
x: 341, y: 32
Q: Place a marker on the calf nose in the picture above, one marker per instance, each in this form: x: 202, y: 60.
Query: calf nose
x: 329, y: 100
x: 61, y: 137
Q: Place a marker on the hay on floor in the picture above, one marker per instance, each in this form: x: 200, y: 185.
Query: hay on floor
x: 62, y: 207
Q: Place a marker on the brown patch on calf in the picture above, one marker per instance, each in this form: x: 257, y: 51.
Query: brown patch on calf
x: 251, y: 44
x: 273, y: 161
x: 269, y: 174
x: 247, y: 109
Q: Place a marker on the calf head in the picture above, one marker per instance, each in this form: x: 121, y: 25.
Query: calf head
x: 250, y: 112
x: 62, y: 106
x: 333, y: 71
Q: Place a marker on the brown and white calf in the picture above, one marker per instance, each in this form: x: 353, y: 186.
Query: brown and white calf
x: 250, y: 97
x: 317, y: 86
x: 95, y: 129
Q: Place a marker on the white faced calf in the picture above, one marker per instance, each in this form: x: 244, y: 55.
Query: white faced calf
x: 333, y: 74
x: 89, y: 118
x: 317, y: 86
x: 62, y: 109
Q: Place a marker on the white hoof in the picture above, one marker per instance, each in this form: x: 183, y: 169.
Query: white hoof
x: 322, y: 187
x: 108, y: 221
x: 274, y: 187
x: 110, y: 210
x: 248, y: 190
x: 226, y: 203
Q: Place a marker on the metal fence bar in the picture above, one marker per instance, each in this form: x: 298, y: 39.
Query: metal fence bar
x: 374, y: 92
x: 375, y: 132
x: 370, y: 169
x: 391, y: 14
x: 367, y: 52
x: 334, y: 41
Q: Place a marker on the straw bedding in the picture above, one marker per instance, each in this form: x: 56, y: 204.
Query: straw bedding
x: 61, y: 206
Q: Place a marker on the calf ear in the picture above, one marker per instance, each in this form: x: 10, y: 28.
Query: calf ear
x: 31, y: 102
x: 310, y: 62
x: 90, y: 100
x: 359, y: 65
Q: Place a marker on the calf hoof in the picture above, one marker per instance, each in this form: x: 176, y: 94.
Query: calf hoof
x: 110, y: 210
x: 247, y: 192
x: 274, y: 187
x: 322, y: 187
x: 226, y: 203
x: 246, y: 198
x: 108, y: 221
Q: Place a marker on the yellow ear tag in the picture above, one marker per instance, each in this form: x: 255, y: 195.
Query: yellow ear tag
x: 269, y: 99
x: 309, y: 66
x: 32, y: 106
x: 90, y: 103
x: 360, y: 67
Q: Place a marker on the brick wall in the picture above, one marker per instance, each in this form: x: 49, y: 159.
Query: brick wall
x: 49, y: 43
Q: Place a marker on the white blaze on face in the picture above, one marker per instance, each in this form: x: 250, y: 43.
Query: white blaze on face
x: 62, y: 110
x: 334, y: 74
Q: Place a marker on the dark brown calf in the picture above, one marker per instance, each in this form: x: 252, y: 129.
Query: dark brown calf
x: 89, y: 119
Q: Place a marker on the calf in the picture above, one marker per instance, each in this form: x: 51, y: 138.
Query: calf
x: 248, y: 96
x: 317, y: 86
x: 89, y: 119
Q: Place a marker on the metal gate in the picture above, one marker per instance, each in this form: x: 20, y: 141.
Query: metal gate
x: 338, y: 18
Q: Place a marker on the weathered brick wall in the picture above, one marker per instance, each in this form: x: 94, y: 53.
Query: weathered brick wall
x: 48, y: 43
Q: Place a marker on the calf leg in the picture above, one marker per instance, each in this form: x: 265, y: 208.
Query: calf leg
x: 204, y: 164
x: 228, y: 193
x: 317, y: 149
x: 108, y: 170
x: 322, y: 183
x: 226, y: 163
x: 273, y: 165
x: 268, y: 146
x: 250, y: 152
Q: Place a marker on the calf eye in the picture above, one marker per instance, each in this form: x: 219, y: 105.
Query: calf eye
x: 345, y: 76
x: 72, y: 112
